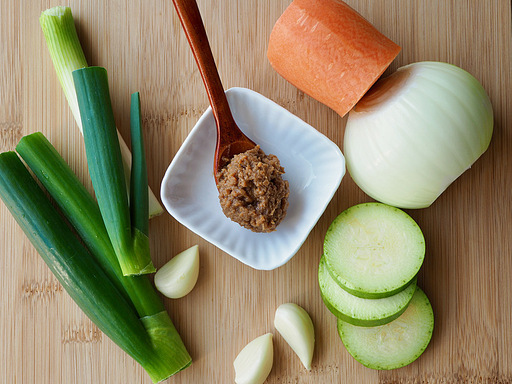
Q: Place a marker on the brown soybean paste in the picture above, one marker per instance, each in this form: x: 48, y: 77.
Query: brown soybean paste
x: 252, y: 191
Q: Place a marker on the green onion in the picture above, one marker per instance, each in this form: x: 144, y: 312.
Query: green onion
x: 105, y: 167
x: 80, y: 208
x: 65, y: 51
x: 139, y: 176
x: 67, y: 55
x: 84, y: 280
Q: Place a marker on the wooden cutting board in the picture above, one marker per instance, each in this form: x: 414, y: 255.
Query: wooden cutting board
x: 45, y: 338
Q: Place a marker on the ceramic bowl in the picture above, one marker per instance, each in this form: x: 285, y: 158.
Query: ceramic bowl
x: 314, y: 167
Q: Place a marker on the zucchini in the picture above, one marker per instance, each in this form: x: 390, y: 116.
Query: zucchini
x: 393, y: 345
x: 374, y: 250
x: 356, y: 310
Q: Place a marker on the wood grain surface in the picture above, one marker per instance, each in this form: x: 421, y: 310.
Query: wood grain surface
x: 45, y: 338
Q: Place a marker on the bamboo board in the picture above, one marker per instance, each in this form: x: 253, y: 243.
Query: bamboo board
x: 45, y: 338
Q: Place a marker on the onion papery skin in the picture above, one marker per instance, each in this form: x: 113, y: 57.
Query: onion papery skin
x: 417, y: 131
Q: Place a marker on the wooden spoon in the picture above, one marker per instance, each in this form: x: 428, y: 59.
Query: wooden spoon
x: 230, y: 139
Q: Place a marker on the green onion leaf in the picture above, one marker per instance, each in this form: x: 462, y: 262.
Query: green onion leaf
x: 106, y: 170
x: 139, y: 177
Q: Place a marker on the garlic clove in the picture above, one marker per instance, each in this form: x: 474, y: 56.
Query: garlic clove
x: 255, y: 360
x: 179, y: 275
x: 296, y: 327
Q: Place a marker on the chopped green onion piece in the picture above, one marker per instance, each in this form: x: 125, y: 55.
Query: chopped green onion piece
x: 84, y: 279
x: 106, y: 170
x: 139, y: 177
x: 67, y: 55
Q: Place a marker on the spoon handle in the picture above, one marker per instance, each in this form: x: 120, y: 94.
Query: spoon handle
x: 193, y: 26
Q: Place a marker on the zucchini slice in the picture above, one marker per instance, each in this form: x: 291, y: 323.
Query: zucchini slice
x: 393, y: 345
x: 356, y: 310
x: 374, y: 250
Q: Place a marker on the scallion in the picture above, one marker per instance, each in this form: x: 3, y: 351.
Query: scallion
x: 105, y: 167
x: 152, y: 341
x: 67, y: 55
x: 80, y: 208
x: 139, y: 176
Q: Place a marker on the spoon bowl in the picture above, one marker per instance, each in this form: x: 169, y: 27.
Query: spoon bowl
x: 230, y: 139
x: 230, y: 142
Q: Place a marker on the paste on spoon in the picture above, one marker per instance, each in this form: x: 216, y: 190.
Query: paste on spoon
x: 252, y: 191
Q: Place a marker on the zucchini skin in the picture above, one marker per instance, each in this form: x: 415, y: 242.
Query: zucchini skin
x: 70, y: 262
x: 345, y: 313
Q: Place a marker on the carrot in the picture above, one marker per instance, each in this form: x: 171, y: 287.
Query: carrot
x: 329, y: 51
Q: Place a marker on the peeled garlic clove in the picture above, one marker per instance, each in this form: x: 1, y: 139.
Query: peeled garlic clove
x: 179, y: 275
x: 296, y: 327
x: 254, y: 362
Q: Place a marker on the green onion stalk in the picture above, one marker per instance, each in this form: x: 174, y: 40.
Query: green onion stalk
x: 141, y: 327
x: 67, y: 55
x: 82, y: 211
x: 130, y: 243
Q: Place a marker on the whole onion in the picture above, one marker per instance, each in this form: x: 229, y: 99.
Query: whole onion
x: 415, y: 132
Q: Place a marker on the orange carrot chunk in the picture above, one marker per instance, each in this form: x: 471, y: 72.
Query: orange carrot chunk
x: 329, y: 51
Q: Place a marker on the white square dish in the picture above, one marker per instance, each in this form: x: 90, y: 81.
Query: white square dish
x: 314, y: 167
